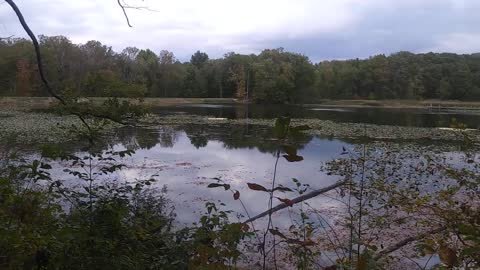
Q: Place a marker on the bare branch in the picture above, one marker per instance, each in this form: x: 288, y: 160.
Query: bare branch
x: 40, y: 61
x: 44, y: 80
x: 123, y: 7
x: 297, y: 200
x: 127, y: 6
x: 406, y: 241
x: 37, y: 51
x: 403, y: 243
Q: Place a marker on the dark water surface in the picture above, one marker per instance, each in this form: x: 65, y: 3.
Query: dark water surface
x: 381, y: 116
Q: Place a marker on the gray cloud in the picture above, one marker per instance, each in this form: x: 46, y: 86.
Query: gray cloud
x: 327, y: 29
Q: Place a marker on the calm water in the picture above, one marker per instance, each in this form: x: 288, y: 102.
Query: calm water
x: 185, y: 159
x: 401, y: 117
x: 186, y: 167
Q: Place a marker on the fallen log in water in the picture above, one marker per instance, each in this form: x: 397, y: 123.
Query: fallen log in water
x: 297, y: 200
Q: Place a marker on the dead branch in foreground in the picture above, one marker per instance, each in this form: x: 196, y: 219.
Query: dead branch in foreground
x: 406, y: 241
x: 297, y: 200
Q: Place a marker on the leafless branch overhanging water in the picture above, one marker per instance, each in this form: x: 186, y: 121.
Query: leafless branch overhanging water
x: 407, y: 241
x: 297, y: 200
x: 39, y: 59
x: 41, y: 71
x: 37, y: 50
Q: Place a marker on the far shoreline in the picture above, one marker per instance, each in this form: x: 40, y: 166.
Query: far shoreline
x: 28, y: 103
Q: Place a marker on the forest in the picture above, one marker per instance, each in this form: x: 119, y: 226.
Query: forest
x: 273, y: 76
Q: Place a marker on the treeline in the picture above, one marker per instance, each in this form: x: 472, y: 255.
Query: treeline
x: 402, y: 75
x: 273, y: 76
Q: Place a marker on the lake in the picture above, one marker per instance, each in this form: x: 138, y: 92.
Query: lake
x: 187, y: 158
x: 380, y: 116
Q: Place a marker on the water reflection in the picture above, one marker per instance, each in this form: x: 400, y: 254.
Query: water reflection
x: 186, y: 163
x: 232, y: 137
x: 381, y: 116
x: 137, y: 138
x: 186, y: 158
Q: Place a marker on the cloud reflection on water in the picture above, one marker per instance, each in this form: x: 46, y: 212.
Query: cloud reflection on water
x: 186, y: 170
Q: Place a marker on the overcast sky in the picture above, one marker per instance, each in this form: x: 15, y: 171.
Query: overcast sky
x: 320, y: 29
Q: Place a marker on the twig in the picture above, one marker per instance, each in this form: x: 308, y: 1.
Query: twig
x: 39, y: 59
x: 406, y: 241
x: 297, y: 200
x: 270, y: 205
x: 413, y: 261
x: 349, y: 209
x: 123, y: 7
x: 362, y: 184
x: 335, y: 235
x: 37, y: 50
x: 429, y: 258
